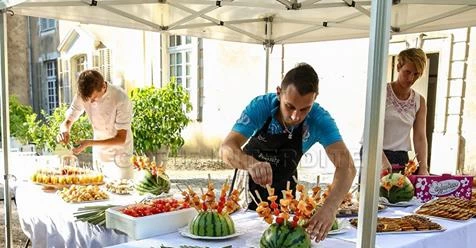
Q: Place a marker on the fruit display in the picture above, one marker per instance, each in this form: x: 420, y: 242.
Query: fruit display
x: 155, y: 206
x: 289, y: 217
x: 153, y: 180
x: 66, y: 176
x: 120, y: 187
x: 409, y: 223
x: 213, y: 219
x: 396, y: 188
x: 449, y: 208
x: 81, y: 193
x: 95, y: 215
x: 348, y: 207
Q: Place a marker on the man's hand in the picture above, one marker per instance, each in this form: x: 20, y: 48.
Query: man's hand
x: 83, y: 144
x: 261, y: 173
x: 63, y: 137
x: 320, y: 224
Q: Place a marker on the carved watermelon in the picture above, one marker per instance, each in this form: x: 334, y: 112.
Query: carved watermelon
x: 212, y: 224
x: 284, y: 236
x: 396, y: 188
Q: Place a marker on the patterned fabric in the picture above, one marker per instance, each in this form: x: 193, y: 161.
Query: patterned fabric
x: 400, y: 116
x: 318, y: 126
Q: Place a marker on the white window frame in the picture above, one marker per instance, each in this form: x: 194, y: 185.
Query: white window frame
x: 46, y: 24
x: 52, y: 85
x: 184, y: 77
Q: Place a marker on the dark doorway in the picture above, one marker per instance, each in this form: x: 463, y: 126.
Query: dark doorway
x: 433, y: 59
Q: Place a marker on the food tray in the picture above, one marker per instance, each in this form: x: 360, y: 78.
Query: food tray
x: 148, y: 226
x: 438, y: 217
x: 341, y: 213
x: 61, y: 186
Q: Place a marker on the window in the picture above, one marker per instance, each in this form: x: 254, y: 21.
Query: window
x: 47, y: 24
x: 64, y: 84
x: 80, y: 64
x: 180, y: 52
x: 52, y: 85
x: 102, y: 63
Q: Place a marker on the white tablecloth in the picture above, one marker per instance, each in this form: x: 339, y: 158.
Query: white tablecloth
x: 48, y: 221
x: 459, y: 234
x: 248, y: 222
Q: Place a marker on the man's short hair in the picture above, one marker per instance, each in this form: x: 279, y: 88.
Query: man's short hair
x: 303, y: 77
x: 89, y: 81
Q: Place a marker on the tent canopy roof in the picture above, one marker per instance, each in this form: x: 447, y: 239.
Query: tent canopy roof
x: 253, y: 21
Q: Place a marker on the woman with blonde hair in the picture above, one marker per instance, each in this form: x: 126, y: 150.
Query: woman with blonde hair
x: 405, y: 110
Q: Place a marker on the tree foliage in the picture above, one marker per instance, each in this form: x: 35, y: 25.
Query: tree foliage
x: 160, y: 115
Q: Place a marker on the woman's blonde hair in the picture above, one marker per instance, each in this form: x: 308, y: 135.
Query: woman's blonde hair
x: 415, y: 56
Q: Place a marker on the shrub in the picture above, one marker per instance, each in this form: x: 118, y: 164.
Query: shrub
x: 160, y: 114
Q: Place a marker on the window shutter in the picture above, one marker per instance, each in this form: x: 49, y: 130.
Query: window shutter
x: 105, y: 63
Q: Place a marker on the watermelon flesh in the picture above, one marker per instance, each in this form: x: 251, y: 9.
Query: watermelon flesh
x: 284, y: 236
x: 390, y: 188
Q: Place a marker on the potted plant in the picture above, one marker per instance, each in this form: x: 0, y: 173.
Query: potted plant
x: 160, y: 115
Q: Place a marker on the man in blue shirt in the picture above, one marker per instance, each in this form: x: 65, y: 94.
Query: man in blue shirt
x: 277, y: 129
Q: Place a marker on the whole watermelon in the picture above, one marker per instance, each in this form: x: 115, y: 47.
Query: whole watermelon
x: 396, y: 193
x: 212, y: 224
x: 284, y: 236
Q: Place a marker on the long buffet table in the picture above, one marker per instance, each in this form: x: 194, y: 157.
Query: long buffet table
x: 48, y: 221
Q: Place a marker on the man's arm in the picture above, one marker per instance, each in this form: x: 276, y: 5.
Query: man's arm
x: 419, y: 138
x: 321, y: 222
x: 343, y: 176
x: 234, y: 156
x: 119, y: 139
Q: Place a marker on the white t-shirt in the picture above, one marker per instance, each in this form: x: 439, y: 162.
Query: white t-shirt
x: 107, y: 115
x: 399, y: 118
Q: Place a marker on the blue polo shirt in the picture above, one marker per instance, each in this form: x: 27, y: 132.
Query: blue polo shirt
x: 318, y: 126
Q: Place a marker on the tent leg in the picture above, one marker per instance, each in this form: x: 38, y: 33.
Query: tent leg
x: 374, y: 115
x: 27, y: 243
x: 266, y: 76
x: 5, y: 125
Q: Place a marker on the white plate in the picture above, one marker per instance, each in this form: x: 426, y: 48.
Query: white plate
x: 413, y: 202
x: 343, y: 227
x: 186, y: 233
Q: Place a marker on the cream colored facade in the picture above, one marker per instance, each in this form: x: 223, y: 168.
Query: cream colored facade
x: 227, y: 75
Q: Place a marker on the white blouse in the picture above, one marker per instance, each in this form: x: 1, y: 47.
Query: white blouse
x: 399, y: 118
x: 112, y: 112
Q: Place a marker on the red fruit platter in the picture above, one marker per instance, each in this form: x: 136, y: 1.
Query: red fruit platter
x: 144, y: 220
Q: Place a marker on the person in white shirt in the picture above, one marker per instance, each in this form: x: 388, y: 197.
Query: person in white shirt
x: 405, y: 110
x: 109, y: 110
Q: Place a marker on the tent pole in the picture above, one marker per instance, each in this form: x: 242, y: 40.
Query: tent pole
x: 374, y: 115
x: 266, y: 75
x: 5, y: 125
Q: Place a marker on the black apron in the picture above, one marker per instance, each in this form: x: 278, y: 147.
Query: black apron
x: 283, y: 151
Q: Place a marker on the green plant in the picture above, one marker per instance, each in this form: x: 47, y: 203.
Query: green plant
x: 160, y: 114
x: 18, y: 118
x: 42, y: 132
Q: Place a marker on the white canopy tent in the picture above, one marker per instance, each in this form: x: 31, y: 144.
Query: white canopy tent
x: 266, y: 22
